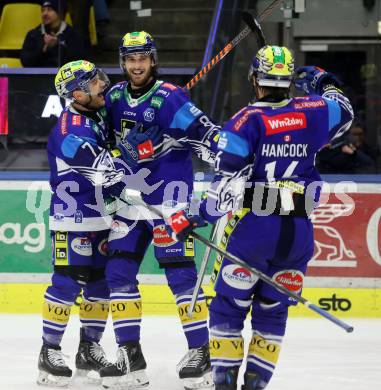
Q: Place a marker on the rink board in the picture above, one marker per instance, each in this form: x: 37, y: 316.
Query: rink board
x: 344, y: 274
x: 347, y: 228
x: 158, y: 300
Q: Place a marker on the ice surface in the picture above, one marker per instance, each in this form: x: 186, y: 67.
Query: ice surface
x: 316, y: 354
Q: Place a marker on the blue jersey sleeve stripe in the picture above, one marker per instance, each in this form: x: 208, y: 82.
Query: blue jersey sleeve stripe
x: 183, y: 117
x: 70, y: 145
x: 233, y: 144
x: 334, y: 113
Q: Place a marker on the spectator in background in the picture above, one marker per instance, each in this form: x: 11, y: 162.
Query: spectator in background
x: 357, y: 133
x: 348, y: 154
x: 53, y: 42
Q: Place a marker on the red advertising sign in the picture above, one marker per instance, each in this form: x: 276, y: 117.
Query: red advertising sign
x: 348, y: 237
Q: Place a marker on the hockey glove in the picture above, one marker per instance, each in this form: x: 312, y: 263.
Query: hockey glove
x: 313, y: 80
x: 181, y: 224
x: 138, y: 146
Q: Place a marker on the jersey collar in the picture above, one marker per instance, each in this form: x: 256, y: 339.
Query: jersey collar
x: 135, y: 102
x: 282, y: 103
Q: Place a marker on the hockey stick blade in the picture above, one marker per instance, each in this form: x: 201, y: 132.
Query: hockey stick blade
x: 255, y: 27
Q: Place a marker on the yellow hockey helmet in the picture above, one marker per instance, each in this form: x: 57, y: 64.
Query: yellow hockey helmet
x: 76, y: 75
x: 138, y: 42
x: 273, y: 66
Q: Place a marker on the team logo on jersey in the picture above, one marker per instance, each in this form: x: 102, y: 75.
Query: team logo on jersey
x: 238, y: 277
x: 76, y: 120
x: 161, y: 237
x: 149, y: 114
x: 291, y: 279
x: 82, y: 246
x: 284, y: 122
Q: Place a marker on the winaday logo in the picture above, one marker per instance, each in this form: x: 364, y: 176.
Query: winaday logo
x: 276, y: 124
x: 32, y: 237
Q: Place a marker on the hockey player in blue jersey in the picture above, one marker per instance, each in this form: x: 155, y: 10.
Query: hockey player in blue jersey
x: 144, y: 101
x: 85, y: 177
x: 266, y: 160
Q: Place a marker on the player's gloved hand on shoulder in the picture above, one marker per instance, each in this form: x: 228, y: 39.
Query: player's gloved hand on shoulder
x: 138, y: 146
x: 181, y: 224
x: 313, y: 80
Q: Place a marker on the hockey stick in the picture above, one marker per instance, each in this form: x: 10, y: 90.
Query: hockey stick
x: 234, y: 259
x: 252, y: 26
x: 279, y: 287
x: 201, y: 272
x: 256, y: 28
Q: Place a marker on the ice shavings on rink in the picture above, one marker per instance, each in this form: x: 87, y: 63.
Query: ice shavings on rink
x: 316, y: 355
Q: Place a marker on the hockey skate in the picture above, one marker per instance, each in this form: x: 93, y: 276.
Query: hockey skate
x: 53, y: 370
x: 129, y: 370
x: 194, y: 369
x: 90, y: 359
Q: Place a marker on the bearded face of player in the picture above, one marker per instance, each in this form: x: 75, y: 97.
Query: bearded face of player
x: 139, y: 69
x: 94, y: 98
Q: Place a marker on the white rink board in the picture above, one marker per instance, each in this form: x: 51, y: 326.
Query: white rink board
x: 316, y: 355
